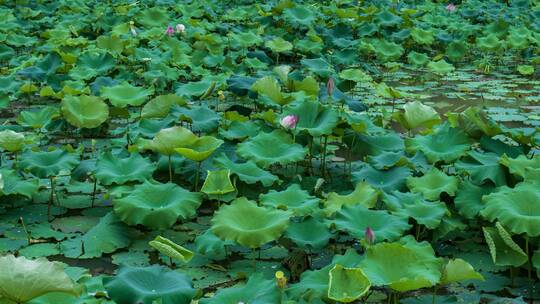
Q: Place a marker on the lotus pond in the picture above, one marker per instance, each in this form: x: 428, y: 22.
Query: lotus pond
x: 267, y: 152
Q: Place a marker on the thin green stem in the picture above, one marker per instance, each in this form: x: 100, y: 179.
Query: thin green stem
x: 323, y: 167
x: 254, y: 259
x: 529, y: 270
x: 197, y: 176
x: 170, y: 169
x: 94, y: 191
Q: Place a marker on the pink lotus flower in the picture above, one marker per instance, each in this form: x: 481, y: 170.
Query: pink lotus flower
x: 330, y: 87
x: 169, y: 31
x: 451, y: 7
x: 369, y: 235
x: 180, y: 28
x: 289, y: 121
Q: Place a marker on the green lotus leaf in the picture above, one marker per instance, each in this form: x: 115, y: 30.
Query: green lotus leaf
x: 157, y: 206
x: 160, y: 106
x: 22, y: 280
x: 11, y: 141
x: 475, y: 122
x: 356, y: 219
x: 171, y: 249
x: 309, y: 233
x: 238, y: 130
x: 208, y: 243
x: 248, y: 224
x: 468, y: 200
x: 313, y: 117
x: 153, y: 17
x: 112, y: 43
x: 356, y: 75
x: 201, y: 118
x: 347, y: 284
x: 37, y: 119
x: 85, y: 111
x: 363, y: 194
x: 308, y: 85
x: 268, y: 86
x: 124, y: 94
x: 115, y: 170
x: 200, y: 149
x: 414, y: 206
x: 515, y: 208
x: 247, y: 172
x: 300, y: 14
x: 490, y: 43
x: 415, y: 115
x: 504, y: 251
x: 421, y: 36
x: 267, y: 149
x: 13, y: 184
x: 432, y: 184
x: 525, y: 70
x: 256, y: 290
x: 385, y: 180
x: 107, y: 236
x: 278, y: 45
x: 218, y: 183
x: 440, y: 67
x: 457, y: 270
x: 149, y: 285
x: 417, y: 59
x: 95, y: 63
x: 318, y: 66
x: 46, y: 164
x: 294, y: 199
x: 387, y: 50
x: 167, y: 140
x: 387, y: 160
x: 519, y: 165
x: 456, y: 50
x: 388, y: 19
x: 482, y: 167
x: 445, y: 144
x: 402, y: 267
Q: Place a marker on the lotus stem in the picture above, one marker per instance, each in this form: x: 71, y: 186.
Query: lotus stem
x: 254, y: 259
x: 51, y: 198
x: 434, y: 298
x: 94, y: 191
x: 170, y: 169
x: 529, y: 270
x: 28, y: 238
x: 197, y: 175
x: 323, y: 167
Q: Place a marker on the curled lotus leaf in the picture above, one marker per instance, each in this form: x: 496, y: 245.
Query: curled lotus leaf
x: 160, y: 106
x: 13, y: 184
x: 200, y: 149
x: 415, y: 114
x: 269, y: 87
x: 520, y: 164
x: 248, y: 224
x: 124, y: 94
x: 433, y: 183
x: 167, y: 140
x: 84, y: 111
x: 11, y: 141
x: 504, y: 251
x: 347, y: 284
x: 112, y: 169
x: 257, y: 289
x: 440, y: 67
x: 457, y: 270
x: 313, y: 117
x: 171, y: 249
x: 294, y: 199
x: 45, y: 164
x: 445, y: 144
x: 37, y: 119
x: 310, y: 233
x: 247, y: 172
x: 218, y: 183
x: 363, y: 194
x: 157, y: 206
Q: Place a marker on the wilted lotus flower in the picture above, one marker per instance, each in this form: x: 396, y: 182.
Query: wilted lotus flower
x: 180, y: 28
x: 369, y: 235
x: 451, y: 7
x: 330, y: 87
x: 169, y: 31
x: 289, y: 121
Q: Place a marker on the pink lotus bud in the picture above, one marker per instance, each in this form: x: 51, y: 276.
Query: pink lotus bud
x: 169, y: 31
x: 330, y: 87
x: 180, y: 28
x: 369, y: 235
x: 451, y: 7
x: 289, y: 121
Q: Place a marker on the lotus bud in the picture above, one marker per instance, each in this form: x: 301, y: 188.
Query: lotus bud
x: 169, y: 31
x: 221, y: 96
x: 281, y: 279
x: 289, y: 121
x: 330, y: 87
x: 180, y: 28
x: 369, y: 235
x: 451, y: 7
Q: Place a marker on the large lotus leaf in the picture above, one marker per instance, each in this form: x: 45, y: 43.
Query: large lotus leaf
x: 248, y: 224
x: 385, y: 180
x: 482, y: 167
x: 218, y: 183
x: 347, y: 284
x: 278, y: 45
x: 22, y: 280
x: 95, y: 63
x: 440, y: 67
x: 240, y: 130
x: 115, y: 170
x: 423, y: 212
x: 490, y: 43
x: 202, y: 118
x: 376, y: 144
x: 85, y: 111
x: 520, y: 164
x: 171, y: 249
x: 208, y: 243
x: 157, y: 206
x: 294, y: 199
x: 269, y: 87
x: 167, y: 140
x: 247, y: 172
x: 300, y: 14
x: 107, y: 236
x: 11, y: 141
x: 457, y: 270
x: 504, y: 251
x: 415, y: 115
x: 124, y: 94
x: 147, y: 285
x: 200, y: 149
x: 363, y: 194
x: 433, y: 183
x: 356, y: 75
x: 153, y: 17
x: 468, y: 200
x: 13, y: 184
x: 267, y: 149
x: 422, y: 36
x: 446, y: 144
x: 417, y: 59
x: 160, y: 106
x: 318, y: 66
x: 313, y: 117
x: 475, y: 122
x: 257, y: 290
x: 356, y: 219
x: 456, y: 50
x: 388, y: 19
x: 517, y: 209
x: 37, y: 119
x: 402, y: 267
x: 309, y: 233
x: 387, y: 50
x: 46, y: 164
